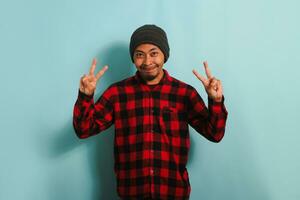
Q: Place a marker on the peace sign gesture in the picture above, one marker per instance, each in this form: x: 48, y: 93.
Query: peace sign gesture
x: 213, y: 86
x: 88, y: 82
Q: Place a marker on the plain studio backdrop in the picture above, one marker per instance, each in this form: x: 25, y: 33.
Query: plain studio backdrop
x: 252, y: 46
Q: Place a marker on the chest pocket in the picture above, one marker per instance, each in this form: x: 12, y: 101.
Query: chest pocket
x: 173, y: 122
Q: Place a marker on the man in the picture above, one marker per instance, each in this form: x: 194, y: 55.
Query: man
x: 151, y: 112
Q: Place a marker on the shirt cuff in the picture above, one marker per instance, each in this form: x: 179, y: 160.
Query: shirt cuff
x: 216, y: 107
x: 84, y: 96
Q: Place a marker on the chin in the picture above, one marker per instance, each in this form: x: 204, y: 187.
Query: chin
x: 149, y: 77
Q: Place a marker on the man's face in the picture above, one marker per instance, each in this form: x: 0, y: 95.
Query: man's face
x: 149, y: 61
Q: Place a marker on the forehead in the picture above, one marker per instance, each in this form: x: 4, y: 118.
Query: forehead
x: 146, y: 47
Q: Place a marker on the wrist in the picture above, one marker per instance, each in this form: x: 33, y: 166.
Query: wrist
x: 216, y: 99
x: 87, y: 93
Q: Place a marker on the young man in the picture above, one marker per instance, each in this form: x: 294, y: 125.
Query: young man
x: 151, y: 112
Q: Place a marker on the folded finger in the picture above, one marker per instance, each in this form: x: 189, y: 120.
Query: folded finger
x: 214, y: 83
x: 220, y: 89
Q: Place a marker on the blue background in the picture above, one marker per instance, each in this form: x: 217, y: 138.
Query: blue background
x: 252, y: 46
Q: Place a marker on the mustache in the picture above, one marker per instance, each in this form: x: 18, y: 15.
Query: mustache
x: 144, y: 66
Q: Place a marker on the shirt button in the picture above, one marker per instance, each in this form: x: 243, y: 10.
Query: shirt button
x: 151, y: 171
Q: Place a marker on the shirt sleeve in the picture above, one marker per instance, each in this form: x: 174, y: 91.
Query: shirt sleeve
x: 91, y: 118
x: 209, y: 122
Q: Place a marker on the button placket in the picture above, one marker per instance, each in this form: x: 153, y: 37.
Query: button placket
x: 152, y: 131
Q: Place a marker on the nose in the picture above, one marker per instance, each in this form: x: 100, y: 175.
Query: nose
x: 147, y: 60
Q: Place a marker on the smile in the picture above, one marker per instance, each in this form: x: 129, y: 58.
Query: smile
x: 148, y: 69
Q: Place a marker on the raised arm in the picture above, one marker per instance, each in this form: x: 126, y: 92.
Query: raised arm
x: 89, y: 118
x: 211, y: 121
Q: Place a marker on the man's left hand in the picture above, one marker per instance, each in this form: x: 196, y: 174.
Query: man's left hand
x: 213, y: 86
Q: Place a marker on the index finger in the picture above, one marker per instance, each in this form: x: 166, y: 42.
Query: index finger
x: 93, y: 66
x: 200, y: 77
x: 207, y: 70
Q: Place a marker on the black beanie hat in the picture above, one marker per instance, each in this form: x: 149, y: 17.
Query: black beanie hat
x: 149, y: 34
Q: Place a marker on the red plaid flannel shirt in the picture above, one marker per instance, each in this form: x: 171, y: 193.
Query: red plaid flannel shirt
x: 152, y: 140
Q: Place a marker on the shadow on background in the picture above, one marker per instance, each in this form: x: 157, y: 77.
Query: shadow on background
x: 102, y: 162
x: 100, y: 147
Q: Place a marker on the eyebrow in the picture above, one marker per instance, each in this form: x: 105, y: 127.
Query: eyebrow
x: 144, y: 52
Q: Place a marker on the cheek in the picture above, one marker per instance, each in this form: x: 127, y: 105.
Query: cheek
x: 137, y: 63
x: 159, y: 61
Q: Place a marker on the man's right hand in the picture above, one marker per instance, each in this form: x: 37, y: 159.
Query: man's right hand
x: 88, y: 82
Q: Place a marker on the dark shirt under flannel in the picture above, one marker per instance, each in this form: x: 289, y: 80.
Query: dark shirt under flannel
x: 152, y: 141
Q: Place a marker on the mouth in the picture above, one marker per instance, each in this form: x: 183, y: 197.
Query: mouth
x: 148, y: 69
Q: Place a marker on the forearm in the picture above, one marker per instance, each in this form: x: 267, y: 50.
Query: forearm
x: 209, y: 122
x: 88, y: 118
x: 216, y: 121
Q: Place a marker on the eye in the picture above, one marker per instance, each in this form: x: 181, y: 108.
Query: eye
x: 138, y: 55
x: 154, y: 53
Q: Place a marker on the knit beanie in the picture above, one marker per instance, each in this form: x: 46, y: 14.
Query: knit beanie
x: 152, y: 34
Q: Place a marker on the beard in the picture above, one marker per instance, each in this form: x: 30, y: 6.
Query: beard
x: 149, y: 76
